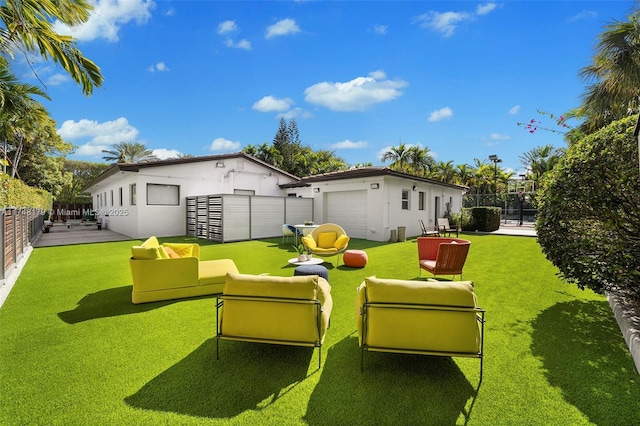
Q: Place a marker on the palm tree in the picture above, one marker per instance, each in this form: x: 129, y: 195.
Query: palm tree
x: 27, y: 26
x: 420, y: 160
x: 615, y: 73
x: 540, y: 160
x: 445, y: 171
x: 129, y: 152
x: 399, y: 157
x: 464, y: 174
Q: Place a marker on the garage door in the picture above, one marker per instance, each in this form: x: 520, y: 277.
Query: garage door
x: 349, y: 210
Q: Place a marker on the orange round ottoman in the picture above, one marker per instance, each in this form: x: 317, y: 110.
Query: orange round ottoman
x: 355, y: 258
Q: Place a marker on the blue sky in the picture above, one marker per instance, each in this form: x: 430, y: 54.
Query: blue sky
x: 205, y: 77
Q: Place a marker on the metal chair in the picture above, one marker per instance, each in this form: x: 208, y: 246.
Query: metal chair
x: 289, y: 231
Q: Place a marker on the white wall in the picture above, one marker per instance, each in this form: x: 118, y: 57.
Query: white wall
x: 384, y: 205
x: 197, y: 178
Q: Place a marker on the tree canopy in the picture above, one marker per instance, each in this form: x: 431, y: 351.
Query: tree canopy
x: 289, y: 154
x: 588, y: 217
x: 128, y: 152
x: 27, y: 26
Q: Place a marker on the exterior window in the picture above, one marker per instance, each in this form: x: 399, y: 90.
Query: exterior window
x: 104, y: 199
x: 421, y: 199
x: 132, y: 192
x: 120, y: 195
x: 111, y: 197
x: 405, y: 199
x: 163, y: 195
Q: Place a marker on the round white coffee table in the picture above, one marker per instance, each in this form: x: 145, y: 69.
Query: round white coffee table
x: 313, y: 261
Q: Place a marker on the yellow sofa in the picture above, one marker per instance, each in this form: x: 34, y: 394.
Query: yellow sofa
x: 269, y: 309
x: 419, y: 317
x: 173, y: 271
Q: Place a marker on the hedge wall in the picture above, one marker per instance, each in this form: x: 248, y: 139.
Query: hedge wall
x: 14, y: 193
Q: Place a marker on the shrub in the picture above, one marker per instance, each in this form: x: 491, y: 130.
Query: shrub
x: 480, y: 219
x: 588, y: 217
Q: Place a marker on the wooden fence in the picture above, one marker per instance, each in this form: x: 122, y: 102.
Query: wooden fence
x: 20, y: 227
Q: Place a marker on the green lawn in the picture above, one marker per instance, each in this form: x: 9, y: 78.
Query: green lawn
x: 75, y: 351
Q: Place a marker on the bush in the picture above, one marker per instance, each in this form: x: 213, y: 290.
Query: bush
x: 13, y: 192
x: 588, y: 217
x: 485, y: 219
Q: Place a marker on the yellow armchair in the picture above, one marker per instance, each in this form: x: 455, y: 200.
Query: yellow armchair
x: 327, y: 240
x: 418, y: 317
x: 270, y: 309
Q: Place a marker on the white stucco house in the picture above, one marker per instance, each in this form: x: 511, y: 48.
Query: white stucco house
x: 370, y: 202
x: 253, y: 199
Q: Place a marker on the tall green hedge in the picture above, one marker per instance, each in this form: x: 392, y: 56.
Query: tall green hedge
x: 589, y: 212
x: 484, y: 219
x: 14, y: 193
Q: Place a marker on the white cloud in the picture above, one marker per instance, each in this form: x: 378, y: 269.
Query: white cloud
x: 106, y: 133
x: 354, y: 95
x: 282, y: 27
x: 240, y: 44
x: 444, y: 23
x: 106, y: 19
x: 222, y: 144
x: 498, y: 137
x: 227, y: 27
x: 514, y: 110
x: 484, y: 9
x: 380, y: 29
x: 441, y: 114
x: 295, y: 112
x: 348, y: 144
x: 160, y: 66
x: 583, y: 14
x: 57, y: 79
x: 92, y: 137
x: 269, y: 104
x: 447, y: 22
x: 163, y: 153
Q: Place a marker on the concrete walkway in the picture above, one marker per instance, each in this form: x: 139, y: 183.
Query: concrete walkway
x: 76, y: 232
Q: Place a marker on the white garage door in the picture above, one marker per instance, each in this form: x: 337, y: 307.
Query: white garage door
x: 349, y: 210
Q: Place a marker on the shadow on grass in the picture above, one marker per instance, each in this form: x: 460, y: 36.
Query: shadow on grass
x: 584, y: 354
x: 378, y: 395
x: 108, y: 303
x: 248, y: 376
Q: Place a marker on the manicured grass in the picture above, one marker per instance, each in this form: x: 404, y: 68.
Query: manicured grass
x: 74, y: 350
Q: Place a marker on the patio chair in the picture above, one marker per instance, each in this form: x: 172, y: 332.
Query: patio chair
x: 289, y: 231
x: 442, y: 256
x: 426, y: 232
x: 445, y: 228
x: 327, y: 240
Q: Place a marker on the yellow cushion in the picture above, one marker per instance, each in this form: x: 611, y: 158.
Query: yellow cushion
x: 172, y: 254
x: 181, y: 249
x: 215, y: 271
x: 326, y: 239
x: 151, y: 242
x: 148, y: 253
x: 449, y: 293
x: 309, y: 242
x: 298, y: 287
x: 341, y: 242
x: 319, y: 250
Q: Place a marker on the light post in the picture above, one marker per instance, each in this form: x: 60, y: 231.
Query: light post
x: 521, y: 199
x: 495, y: 160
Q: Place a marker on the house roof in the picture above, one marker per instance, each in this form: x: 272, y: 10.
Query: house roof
x: 361, y: 172
x: 135, y: 167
